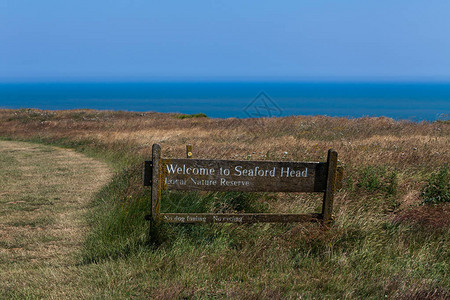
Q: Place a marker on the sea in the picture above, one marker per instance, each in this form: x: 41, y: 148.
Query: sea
x: 398, y: 100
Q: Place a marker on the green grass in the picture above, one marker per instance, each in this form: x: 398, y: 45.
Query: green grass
x: 364, y: 255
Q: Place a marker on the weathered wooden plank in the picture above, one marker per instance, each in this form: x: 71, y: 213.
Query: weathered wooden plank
x: 238, y: 218
x: 328, y: 197
x: 247, y: 176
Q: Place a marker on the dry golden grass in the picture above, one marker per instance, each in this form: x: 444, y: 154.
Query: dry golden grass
x: 361, y: 141
x: 383, y: 243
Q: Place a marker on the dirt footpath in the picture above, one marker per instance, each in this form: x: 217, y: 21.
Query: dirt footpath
x: 44, y: 196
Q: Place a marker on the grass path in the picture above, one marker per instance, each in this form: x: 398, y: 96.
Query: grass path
x: 44, y: 194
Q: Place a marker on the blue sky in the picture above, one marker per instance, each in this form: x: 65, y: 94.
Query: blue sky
x: 231, y: 40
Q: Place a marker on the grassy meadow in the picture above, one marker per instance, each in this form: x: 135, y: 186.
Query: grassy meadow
x: 390, y: 238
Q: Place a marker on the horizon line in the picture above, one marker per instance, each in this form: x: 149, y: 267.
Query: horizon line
x: 225, y: 80
x: 259, y: 79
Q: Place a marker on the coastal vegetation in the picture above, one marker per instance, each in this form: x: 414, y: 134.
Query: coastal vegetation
x: 389, y: 239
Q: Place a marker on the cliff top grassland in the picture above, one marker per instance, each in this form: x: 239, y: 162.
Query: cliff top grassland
x: 389, y: 239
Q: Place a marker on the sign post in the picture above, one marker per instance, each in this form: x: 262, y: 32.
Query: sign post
x: 248, y: 176
x: 152, y: 174
x: 328, y: 196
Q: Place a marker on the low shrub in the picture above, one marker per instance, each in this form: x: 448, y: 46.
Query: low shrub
x: 437, y: 189
x: 378, y: 179
x: 199, y: 115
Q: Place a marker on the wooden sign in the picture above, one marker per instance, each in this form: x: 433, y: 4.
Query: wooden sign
x: 233, y: 175
x: 249, y: 176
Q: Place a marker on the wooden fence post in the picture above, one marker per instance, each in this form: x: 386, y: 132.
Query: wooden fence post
x: 327, y: 208
x: 189, y: 151
x: 156, y: 187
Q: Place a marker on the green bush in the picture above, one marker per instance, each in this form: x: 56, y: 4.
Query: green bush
x: 199, y: 115
x: 378, y: 179
x: 370, y: 178
x: 437, y: 190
